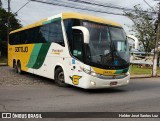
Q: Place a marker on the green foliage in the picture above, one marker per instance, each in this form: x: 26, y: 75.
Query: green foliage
x: 14, y: 24
x: 0, y: 3
x: 136, y: 70
x: 3, y: 48
x: 3, y: 60
x: 143, y: 28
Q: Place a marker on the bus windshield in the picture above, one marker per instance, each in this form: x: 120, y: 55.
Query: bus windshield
x: 107, y: 46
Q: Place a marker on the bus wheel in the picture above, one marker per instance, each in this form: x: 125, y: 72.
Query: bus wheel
x: 15, y: 66
x: 59, y: 77
x: 19, y: 68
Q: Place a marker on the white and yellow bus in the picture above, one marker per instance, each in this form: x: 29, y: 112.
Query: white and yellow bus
x: 72, y: 48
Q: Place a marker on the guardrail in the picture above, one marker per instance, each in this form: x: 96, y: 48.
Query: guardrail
x: 143, y: 58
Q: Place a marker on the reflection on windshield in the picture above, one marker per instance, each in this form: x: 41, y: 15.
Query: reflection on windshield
x: 107, y: 45
x: 120, y: 43
x: 100, y: 42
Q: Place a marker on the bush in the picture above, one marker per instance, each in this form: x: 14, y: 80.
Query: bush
x: 3, y: 48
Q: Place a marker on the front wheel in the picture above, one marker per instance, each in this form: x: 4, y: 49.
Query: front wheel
x: 59, y: 77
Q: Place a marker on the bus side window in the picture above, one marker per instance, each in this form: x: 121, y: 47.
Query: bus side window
x: 78, y: 44
x: 55, y: 32
x: 37, y: 40
x: 43, y: 34
x: 12, y: 39
x: 16, y: 38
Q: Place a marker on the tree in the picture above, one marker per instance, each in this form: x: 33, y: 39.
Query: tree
x: 0, y: 3
x: 14, y: 24
x: 143, y: 28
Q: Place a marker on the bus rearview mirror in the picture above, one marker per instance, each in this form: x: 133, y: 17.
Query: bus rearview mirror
x: 85, y: 32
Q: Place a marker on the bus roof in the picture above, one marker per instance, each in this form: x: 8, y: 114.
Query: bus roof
x: 89, y: 18
x: 69, y: 15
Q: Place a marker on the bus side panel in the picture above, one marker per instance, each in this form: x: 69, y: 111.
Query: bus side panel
x: 20, y: 53
x: 10, y: 55
x: 54, y: 55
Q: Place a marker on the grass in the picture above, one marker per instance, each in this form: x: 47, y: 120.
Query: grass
x: 135, y: 70
x: 3, y: 60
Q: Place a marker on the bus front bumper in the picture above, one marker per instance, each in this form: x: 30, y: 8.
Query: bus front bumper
x: 98, y: 83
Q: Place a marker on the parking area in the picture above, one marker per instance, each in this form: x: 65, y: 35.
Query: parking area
x: 9, y: 77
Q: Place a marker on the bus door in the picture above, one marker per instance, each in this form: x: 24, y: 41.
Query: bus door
x: 77, y: 59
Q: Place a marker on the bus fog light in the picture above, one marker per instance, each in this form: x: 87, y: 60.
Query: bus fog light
x: 127, y: 81
x: 93, y: 83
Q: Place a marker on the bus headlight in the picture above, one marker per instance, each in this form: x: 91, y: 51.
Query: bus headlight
x: 93, y: 74
x: 89, y: 72
x: 86, y: 71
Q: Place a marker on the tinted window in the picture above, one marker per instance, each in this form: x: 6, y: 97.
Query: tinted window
x: 69, y: 23
x: 55, y: 32
x: 44, y: 33
x: 78, y: 44
x: 51, y: 32
x: 117, y: 33
x: 11, y: 39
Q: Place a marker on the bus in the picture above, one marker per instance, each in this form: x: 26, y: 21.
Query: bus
x: 72, y: 49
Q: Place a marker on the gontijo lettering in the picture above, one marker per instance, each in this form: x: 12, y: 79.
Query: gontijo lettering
x: 21, y: 49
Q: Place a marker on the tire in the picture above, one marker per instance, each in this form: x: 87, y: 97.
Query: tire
x: 15, y: 66
x: 59, y: 77
x: 19, y: 68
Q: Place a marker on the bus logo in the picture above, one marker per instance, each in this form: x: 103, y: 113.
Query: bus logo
x: 75, y: 79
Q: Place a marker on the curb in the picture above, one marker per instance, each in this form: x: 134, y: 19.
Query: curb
x: 143, y: 76
x: 136, y: 77
x: 3, y: 64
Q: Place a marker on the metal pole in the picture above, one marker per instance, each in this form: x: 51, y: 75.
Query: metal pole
x: 8, y: 23
x: 155, y: 60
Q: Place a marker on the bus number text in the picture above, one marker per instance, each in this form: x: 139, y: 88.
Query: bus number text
x: 21, y: 49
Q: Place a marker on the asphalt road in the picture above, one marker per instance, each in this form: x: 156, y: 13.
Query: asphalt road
x: 141, y: 95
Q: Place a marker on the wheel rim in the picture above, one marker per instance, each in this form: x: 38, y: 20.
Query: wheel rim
x: 61, y: 77
x: 19, y: 68
x: 15, y: 66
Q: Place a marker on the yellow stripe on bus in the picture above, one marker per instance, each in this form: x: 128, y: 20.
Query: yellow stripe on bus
x: 103, y: 71
x: 69, y: 15
x: 30, y: 26
x: 88, y: 17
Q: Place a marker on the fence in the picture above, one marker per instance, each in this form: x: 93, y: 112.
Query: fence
x: 141, y: 58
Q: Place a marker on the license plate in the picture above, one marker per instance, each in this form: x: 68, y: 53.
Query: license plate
x: 113, y: 83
